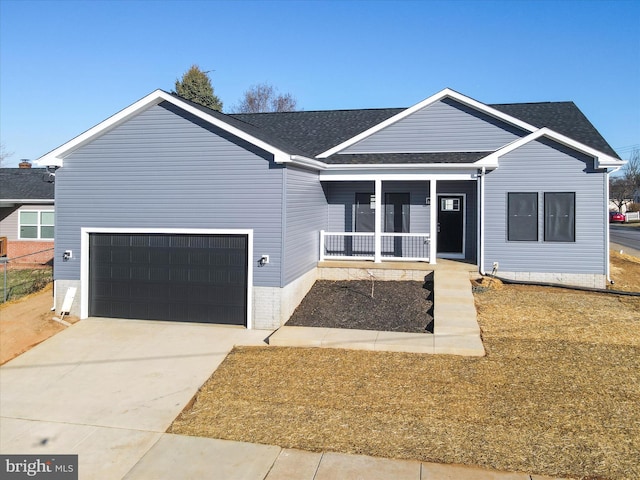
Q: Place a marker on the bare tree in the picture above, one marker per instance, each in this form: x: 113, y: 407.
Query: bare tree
x: 4, y: 154
x: 622, y: 188
x: 263, y: 97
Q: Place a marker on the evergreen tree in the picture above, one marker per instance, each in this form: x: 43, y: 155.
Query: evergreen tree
x: 196, y: 86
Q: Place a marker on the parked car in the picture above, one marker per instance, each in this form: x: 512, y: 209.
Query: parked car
x: 616, y: 217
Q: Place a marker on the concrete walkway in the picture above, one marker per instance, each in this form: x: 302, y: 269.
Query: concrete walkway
x: 456, y: 329
x: 108, y: 389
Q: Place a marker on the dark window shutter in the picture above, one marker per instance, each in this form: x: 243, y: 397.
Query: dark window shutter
x: 523, y: 217
x: 560, y: 217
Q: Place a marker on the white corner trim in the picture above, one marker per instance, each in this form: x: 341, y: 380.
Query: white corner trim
x: 446, y: 93
x: 56, y: 156
x: 602, y: 160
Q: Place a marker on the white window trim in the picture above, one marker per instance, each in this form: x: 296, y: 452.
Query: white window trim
x: 38, y: 226
x: 84, y: 257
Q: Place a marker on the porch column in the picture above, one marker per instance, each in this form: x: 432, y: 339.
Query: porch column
x: 433, y: 224
x: 377, y: 236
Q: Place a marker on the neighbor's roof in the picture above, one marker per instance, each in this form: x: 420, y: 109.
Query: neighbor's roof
x: 25, y: 184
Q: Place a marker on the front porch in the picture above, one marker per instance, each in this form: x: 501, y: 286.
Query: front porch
x: 400, y: 218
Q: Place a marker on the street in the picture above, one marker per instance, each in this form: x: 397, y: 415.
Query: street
x: 625, y: 236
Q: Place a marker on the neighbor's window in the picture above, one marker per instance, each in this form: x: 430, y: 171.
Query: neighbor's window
x: 559, y: 217
x: 522, y: 223
x: 36, y: 225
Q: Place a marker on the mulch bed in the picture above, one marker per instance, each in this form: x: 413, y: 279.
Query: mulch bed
x: 402, y: 306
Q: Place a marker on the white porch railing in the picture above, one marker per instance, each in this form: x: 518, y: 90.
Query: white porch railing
x: 413, y: 247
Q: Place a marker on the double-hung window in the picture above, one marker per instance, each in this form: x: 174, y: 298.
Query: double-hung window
x: 522, y: 212
x: 559, y: 217
x: 36, y: 225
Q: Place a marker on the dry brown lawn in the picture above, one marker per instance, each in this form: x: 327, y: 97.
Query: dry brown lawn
x: 558, y: 392
x: 625, y: 272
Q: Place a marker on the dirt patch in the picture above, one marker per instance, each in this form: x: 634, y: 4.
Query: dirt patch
x: 625, y: 272
x: 360, y: 304
x: 26, y: 322
x: 557, y: 393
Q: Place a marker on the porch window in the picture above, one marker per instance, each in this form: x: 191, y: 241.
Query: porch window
x: 396, y: 213
x: 560, y: 217
x: 36, y: 225
x: 365, y: 212
x: 522, y: 217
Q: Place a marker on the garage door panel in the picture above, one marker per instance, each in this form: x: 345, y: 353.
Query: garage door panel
x: 195, y: 278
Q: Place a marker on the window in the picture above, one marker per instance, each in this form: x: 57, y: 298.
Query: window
x: 365, y: 212
x: 560, y: 217
x: 522, y: 215
x: 450, y: 205
x: 396, y: 213
x: 36, y: 225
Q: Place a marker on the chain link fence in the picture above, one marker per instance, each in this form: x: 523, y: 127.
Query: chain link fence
x: 21, y: 277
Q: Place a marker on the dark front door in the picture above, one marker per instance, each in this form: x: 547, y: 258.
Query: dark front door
x: 186, y: 278
x: 451, y: 224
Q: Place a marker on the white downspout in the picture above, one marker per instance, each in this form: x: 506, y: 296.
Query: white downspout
x: 481, y: 223
x: 377, y: 236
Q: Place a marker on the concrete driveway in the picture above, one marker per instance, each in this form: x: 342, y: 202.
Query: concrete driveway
x: 107, y: 389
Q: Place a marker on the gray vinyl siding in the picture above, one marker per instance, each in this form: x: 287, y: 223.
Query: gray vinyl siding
x: 471, y: 216
x: 342, y: 195
x: 445, y: 126
x: 543, y: 166
x: 10, y: 220
x: 165, y: 168
x: 306, y: 215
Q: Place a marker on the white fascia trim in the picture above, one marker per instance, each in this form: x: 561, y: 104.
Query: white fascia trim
x: 308, y: 162
x: 447, y: 92
x: 367, y: 176
x: 55, y: 157
x: 84, y: 257
x: 602, y: 160
x: 47, y: 201
x: 412, y: 166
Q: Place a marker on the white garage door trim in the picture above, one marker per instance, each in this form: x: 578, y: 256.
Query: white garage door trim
x: 84, y: 257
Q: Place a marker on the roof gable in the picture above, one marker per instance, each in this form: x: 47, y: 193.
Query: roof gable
x: 446, y: 93
x: 220, y: 120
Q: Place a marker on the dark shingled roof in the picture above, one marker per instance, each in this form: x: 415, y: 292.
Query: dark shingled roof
x: 315, y: 132
x: 24, y: 184
x: 562, y: 117
x: 309, y: 133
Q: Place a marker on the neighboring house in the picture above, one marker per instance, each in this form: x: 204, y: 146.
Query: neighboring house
x: 174, y: 211
x: 27, y: 214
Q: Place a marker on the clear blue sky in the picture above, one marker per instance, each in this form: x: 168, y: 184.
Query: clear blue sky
x: 67, y: 65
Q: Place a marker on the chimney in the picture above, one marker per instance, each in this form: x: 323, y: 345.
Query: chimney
x: 24, y: 163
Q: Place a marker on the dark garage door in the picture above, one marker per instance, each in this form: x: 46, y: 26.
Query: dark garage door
x: 186, y: 278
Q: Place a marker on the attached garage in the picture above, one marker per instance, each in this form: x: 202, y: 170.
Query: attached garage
x: 185, y: 277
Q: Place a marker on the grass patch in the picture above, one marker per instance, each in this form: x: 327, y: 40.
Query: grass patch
x: 22, y: 282
x: 557, y: 393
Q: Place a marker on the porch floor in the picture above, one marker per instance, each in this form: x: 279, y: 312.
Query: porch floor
x: 456, y: 329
